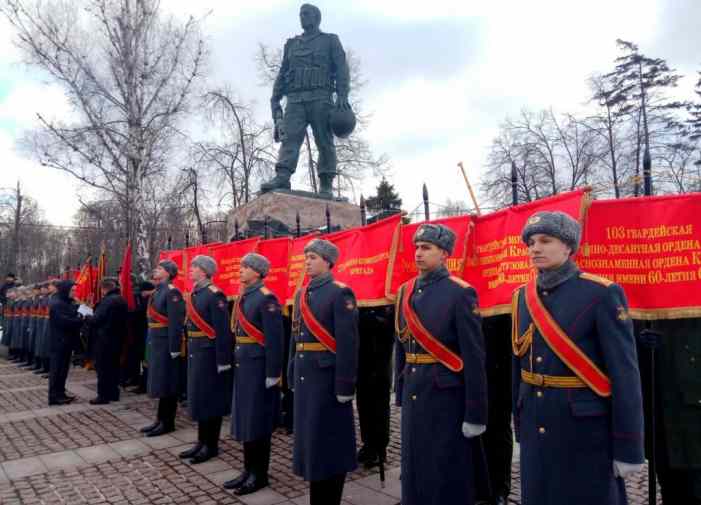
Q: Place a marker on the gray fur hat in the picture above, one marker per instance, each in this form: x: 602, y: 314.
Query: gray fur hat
x: 323, y: 248
x: 556, y: 224
x: 170, y: 267
x: 437, y: 234
x: 256, y: 262
x: 206, y: 263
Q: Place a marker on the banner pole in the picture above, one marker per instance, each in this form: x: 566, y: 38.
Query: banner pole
x: 469, y: 188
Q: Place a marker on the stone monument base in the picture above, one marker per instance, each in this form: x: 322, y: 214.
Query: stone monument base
x: 283, y: 206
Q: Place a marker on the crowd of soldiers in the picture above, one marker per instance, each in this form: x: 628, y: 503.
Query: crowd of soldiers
x: 569, y: 376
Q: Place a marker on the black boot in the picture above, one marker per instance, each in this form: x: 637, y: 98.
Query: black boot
x: 326, y: 186
x: 150, y: 427
x: 161, y: 429
x: 204, y: 454
x: 252, y: 484
x: 280, y: 181
x: 191, y: 452
x: 238, y: 481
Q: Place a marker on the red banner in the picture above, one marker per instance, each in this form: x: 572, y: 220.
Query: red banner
x: 228, y: 258
x: 84, y: 284
x: 366, y: 256
x: 404, y: 266
x: 498, y: 262
x: 125, y: 283
x: 651, y: 246
x: 278, y: 253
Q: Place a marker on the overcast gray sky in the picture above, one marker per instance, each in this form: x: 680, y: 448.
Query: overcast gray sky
x: 442, y: 75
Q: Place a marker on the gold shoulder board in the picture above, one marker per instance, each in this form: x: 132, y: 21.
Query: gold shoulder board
x: 595, y: 278
x: 460, y: 282
x: 265, y: 290
x: 213, y: 288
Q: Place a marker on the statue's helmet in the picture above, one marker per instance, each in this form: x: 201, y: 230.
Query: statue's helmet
x: 342, y: 122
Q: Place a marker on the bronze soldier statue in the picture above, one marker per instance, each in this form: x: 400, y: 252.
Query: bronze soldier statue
x: 313, y: 68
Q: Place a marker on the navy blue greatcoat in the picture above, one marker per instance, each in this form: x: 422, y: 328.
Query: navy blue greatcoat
x: 439, y: 465
x: 255, y: 408
x: 209, y: 391
x: 164, y: 370
x: 570, y: 436
x: 324, y: 444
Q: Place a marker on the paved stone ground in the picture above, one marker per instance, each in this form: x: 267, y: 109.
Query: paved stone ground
x: 84, y: 454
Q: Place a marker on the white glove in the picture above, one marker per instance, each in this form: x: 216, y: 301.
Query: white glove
x: 473, y: 430
x: 344, y: 399
x: 223, y: 368
x: 271, y: 381
x: 623, y: 470
x: 174, y: 355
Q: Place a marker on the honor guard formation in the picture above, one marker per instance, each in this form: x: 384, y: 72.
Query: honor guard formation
x: 557, y: 380
x: 576, y: 388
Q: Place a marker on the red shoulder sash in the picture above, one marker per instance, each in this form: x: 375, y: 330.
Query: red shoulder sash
x: 154, y: 314
x: 250, y: 329
x: 311, y: 322
x: 563, y: 346
x: 196, y: 318
x: 434, y: 346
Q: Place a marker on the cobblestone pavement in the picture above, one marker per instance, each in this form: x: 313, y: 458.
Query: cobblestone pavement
x: 84, y: 454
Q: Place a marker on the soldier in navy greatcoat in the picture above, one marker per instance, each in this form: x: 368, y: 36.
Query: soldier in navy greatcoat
x: 322, y: 372
x: 441, y: 380
x: 210, y: 355
x: 166, y: 319
x: 258, y: 330
x: 577, y: 397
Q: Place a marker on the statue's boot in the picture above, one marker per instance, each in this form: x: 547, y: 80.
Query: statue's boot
x: 280, y: 181
x: 326, y: 186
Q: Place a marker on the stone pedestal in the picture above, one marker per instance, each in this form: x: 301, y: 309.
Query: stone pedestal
x: 283, y: 206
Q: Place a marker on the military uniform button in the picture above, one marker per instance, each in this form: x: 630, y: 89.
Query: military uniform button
x: 237, y: 365
x: 419, y: 291
x: 238, y: 347
x: 413, y: 397
x: 539, y: 359
x: 541, y: 430
x: 545, y: 293
x: 539, y: 394
x: 413, y: 369
x: 301, y: 355
x: 692, y: 359
x: 302, y: 379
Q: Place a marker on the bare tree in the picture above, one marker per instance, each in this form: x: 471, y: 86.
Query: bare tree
x: 128, y: 74
x: 354, y: 155
x: 243, y: 153
x: 550, y: 153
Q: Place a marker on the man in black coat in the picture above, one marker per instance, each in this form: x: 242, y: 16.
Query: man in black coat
x: 376, y: 328
x: 677, y: 383
x: 110, y: 325
x: 257, y: 324
x: 65, y: 325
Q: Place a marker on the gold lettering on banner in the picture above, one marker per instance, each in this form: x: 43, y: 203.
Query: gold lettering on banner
x: 649, y: 256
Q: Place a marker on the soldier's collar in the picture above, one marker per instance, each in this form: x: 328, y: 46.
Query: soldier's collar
x: 253, y: 287
x: 202, y: 284
x: 320, y: 280
x: 432, y: 276
x: 550, y: 279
